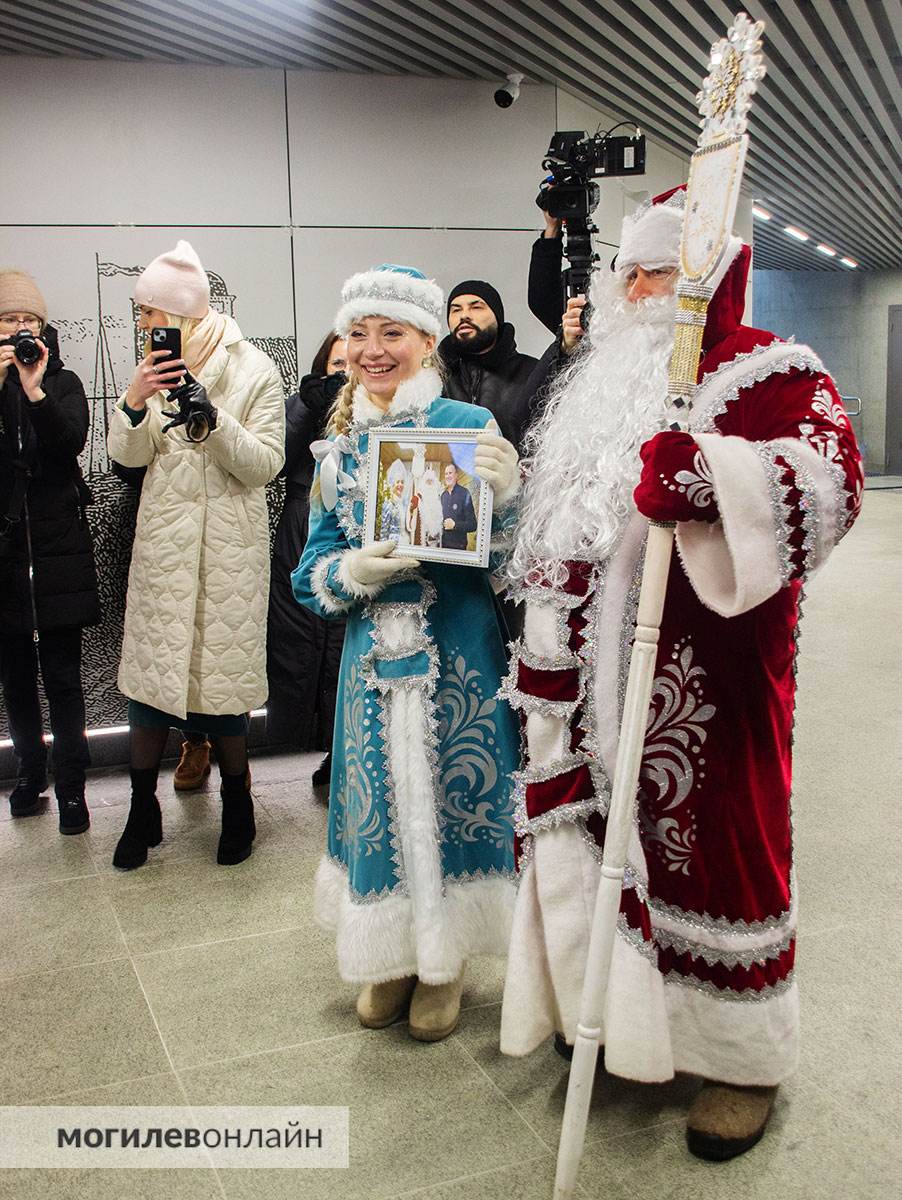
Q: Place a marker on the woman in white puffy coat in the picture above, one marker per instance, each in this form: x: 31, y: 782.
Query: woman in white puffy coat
x: 194, y: 647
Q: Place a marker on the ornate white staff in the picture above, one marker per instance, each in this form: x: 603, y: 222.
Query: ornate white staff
x: 715, y: 173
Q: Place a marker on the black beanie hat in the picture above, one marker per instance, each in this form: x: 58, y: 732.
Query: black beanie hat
x: 485, y: 291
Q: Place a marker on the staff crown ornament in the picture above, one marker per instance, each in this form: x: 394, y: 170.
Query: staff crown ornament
x: 734, y: 69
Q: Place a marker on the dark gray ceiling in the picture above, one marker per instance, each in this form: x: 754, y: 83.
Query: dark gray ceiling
x: 826, y: 122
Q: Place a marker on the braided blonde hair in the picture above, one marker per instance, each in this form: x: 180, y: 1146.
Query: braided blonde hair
x: 339, y: 419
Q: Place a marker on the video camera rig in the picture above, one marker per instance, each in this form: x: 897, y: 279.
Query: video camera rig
x: 573, y: 161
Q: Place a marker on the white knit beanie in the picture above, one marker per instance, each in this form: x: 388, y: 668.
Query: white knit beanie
x: 175, y: 283
x: 399, y: 293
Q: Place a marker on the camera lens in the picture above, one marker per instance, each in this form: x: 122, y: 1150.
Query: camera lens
x: 26, y: 349
x: 503, y: 98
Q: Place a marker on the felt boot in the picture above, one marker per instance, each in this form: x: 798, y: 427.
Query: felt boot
x: 725, y: 1119
x: 25, y: 798
x: 435, y: 1009
x: 381, y: 1004
x: 194, y: 766
x: 238, y: 828
x: 144, y: 826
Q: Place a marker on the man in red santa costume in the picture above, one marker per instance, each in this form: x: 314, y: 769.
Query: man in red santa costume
x: 764, y: 484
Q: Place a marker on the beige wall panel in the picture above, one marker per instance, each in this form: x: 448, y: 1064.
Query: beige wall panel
x: 143, y: 144
x: 390, y: 151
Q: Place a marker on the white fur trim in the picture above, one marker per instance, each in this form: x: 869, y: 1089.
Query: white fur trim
x: 546, y: 738
x: 376, y: 940
x: 392, y: 294
x: 540, y: 630
x: 650, y: 237
x: 329, y: 602
x: 730, y: 251
x: 412, y: 396
x: 752, y: 1044
x: 608, y: 633
x: 733, y: 565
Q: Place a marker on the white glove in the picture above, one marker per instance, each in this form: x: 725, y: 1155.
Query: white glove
x: 497, y: 463
x: 366, y: 571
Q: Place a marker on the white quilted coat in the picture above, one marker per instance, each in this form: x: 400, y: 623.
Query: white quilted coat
x: 195, y: 619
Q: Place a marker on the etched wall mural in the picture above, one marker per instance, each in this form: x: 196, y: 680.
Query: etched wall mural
x: 102, y: 345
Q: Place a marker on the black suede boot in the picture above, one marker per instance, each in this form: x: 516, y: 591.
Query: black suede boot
x: 238, y: 828
x: 144, y: 826
x: 74, y: 815
x: 25, y: 798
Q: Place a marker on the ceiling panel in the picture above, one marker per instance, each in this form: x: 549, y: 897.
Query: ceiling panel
x: 825, y: 126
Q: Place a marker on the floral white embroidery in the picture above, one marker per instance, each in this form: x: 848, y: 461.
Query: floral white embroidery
x: 826, y: 405
x: 698, y: 486
x: 673, y: 741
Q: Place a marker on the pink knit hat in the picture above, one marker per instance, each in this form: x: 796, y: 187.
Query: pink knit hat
x: 176, y: 283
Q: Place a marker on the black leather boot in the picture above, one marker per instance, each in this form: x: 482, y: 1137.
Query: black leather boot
x: 144, y: 826
x: 238, y: 828
x: 25, y: 798
x: 74, y: 816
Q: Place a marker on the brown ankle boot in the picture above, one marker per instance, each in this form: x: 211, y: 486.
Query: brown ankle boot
x: 381, y: 1004
x: 726, y: 1119
x: 194, y: 766
x: 435, y: 1009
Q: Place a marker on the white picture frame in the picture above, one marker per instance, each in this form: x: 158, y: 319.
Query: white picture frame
x: 404, y: 502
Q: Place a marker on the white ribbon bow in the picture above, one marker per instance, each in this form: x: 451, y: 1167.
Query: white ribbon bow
x: 331, y: 476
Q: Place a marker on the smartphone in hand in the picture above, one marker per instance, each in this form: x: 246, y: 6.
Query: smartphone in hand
x: 166, y: 338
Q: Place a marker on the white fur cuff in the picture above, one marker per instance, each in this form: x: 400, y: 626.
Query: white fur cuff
x: 319, y: 585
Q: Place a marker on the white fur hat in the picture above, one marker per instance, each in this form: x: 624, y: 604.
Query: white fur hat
x: 400, y: 293
x: 650, y: 237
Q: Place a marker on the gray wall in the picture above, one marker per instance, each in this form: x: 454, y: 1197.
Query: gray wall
x: 844, y: 317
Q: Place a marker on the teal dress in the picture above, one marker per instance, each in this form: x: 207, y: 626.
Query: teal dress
x: 419, y: 872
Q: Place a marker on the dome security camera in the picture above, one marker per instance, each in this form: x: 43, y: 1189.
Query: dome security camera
x: 508, y: 92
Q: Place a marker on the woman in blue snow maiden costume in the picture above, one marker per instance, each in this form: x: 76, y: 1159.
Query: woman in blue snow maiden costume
x: 419, y: 871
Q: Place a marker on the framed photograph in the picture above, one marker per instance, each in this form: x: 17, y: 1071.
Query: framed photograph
x: 424, y: 494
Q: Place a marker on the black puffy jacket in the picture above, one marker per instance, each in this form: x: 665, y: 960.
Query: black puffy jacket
x: 45, y: 439
x: 496, y: 380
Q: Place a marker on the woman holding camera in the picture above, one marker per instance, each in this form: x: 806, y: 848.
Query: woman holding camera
x: 303, y: 652
x: 48, y: 585
x: 194, y: 646
x: 418, y: 875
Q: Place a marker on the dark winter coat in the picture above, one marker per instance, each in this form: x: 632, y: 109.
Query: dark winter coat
x: 496, y: 380
x: 52, y: 435
x: 305, y: 420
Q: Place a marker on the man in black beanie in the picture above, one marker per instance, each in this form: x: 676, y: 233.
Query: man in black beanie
x: 482, y: 363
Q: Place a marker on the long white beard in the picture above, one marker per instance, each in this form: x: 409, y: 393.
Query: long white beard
x: 583, y: 452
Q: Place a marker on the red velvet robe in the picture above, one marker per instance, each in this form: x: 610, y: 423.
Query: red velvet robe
x: 702, y: 977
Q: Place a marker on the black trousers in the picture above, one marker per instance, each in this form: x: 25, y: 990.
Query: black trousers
x: 60, y: 662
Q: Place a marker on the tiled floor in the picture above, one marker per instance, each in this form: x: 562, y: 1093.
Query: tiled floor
x: 188, y: 983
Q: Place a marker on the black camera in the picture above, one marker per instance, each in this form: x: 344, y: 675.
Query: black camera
x: 26, y: 347
x: 573, y: 161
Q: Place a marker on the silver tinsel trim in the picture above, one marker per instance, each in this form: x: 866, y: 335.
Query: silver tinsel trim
x: 748, y: 996
x: 710, y: 403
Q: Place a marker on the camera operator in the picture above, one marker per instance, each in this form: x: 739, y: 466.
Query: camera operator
x: 48, y: 584
x: 194, y: 645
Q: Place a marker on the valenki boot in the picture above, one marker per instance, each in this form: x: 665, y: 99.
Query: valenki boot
x: 435, y: 1009
x: 381, y: 1004
x: 726, y: 1120
x: 144, y: 827
x: 238, y: 828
